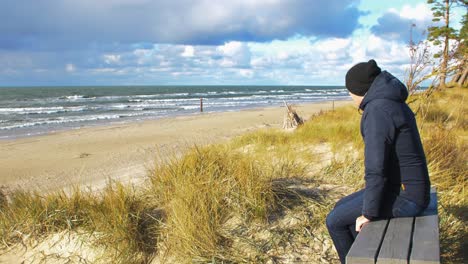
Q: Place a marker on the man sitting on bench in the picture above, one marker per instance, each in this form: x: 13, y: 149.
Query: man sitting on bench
x: 396, y: 176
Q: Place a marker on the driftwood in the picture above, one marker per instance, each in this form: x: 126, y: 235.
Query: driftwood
x: 291, y: 118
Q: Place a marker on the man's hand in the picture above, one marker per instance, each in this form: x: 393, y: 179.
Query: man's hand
x: 360, y: 222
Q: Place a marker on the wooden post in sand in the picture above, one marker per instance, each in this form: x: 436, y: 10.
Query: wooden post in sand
x: 201, y: 104
x: 291, y: 118
x: 333, y: 106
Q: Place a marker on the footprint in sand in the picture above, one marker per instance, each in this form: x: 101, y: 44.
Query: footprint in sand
x: 84, y: 155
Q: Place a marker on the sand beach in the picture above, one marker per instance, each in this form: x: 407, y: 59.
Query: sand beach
x: 91, y: 156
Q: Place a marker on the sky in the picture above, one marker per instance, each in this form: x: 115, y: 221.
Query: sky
x: 203, y: 42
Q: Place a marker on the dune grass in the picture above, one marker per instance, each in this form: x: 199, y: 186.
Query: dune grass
x: 201, y: 191
x: 444, y: 122
x: 114, y: 217
x: 258, y: 198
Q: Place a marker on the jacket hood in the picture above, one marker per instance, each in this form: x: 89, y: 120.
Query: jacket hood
x: 385, y: 86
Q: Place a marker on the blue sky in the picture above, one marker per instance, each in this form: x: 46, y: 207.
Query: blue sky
x: 151, y: 42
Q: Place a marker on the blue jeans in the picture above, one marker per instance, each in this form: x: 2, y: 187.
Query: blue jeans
x: 342, y: 219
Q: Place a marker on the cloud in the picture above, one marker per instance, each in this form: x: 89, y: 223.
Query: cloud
x: 70, y: 67
x: 188, y: 52
x: 111, y: 58
x: 70, y: 24
x: 304, y: 60
x: 235, y: 54
x: 399, y: 25
x: 195, y: 42
x: 387, y: 52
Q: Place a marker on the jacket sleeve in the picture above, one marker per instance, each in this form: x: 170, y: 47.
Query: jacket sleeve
x: 378, y: 131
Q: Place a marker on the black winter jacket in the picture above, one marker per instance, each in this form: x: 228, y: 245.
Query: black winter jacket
x: 394, y: 156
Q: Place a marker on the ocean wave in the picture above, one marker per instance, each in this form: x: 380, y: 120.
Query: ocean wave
x: 141, y: 106
x: 64, y: 120
x: 306, y: 94
x: 77, y: 97
x: 163, y: 100
x: 233, y: 104
x: 90, y: 118
x: 106, y: 98
x: 41, y: 110
x: 191, y: 107
x: 57, y: 121
x: 164, y: 95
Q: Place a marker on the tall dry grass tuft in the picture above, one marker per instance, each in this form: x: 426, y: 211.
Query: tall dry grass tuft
x: 339, y: 128
x: 122, y: 221
x: 27, y: 214
x: 263, y: 138
x: 448, y: 169
x: 205, y: 188
x: 444, y: 122
x: 113, y: 218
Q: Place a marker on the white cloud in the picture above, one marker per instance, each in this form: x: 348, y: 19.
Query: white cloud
x: 333, y: 44
x: 421, y: 12
x: 232, y: 48
x: 111, y: 58
x: 70, y: 67
x: 299, y: 60
x: 235, y: 54
x: 189, y: 51
x: 387, y: 51
x: 246, y: 73
x: 260, y: 62
x: 333, y: 49
x: 325, y: 61
x: 283, y: 55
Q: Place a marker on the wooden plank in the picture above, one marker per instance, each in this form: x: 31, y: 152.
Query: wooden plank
x: 426, y: 240
x: 396, y: 245
x: 426, y: 248
x: 366, y: 246
x: 399, y: 235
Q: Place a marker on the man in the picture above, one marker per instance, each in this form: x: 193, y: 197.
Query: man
x: 396, y: 176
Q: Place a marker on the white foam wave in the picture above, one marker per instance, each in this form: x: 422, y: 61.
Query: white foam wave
x: 191, y: 107
x: 64, y: 120
x: 77, y: 97
x: 41, y: 110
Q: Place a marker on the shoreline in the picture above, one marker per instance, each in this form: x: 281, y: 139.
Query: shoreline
x: 100, y: 124
x: 90, y: 156
x: 37, y: 111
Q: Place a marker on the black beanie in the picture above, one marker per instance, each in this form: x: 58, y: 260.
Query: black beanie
x: 360, y: 77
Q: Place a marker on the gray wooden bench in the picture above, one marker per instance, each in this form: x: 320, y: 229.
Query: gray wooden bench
x: 413, y: 240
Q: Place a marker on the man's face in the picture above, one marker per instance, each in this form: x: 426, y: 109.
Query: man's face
x: 356, y: 98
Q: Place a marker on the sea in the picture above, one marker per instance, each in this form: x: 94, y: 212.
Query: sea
x: 29, y: 111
